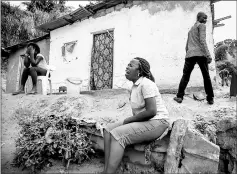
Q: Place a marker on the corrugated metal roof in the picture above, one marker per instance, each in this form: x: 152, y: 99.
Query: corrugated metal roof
x: 79, y: 14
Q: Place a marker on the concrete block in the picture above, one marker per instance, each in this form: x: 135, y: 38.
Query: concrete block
x: 159, y: 146
x: 119, y: 7
x: 176, y: 143
x: 109, y: 10
x: 200, y: 155
x: 136, y: 157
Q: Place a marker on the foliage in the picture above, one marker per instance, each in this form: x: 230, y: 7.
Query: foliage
x: 220, y: 52
x: 45, y: 5
x: 221, y: 48
x: 45, y: 138
x: 19, y: 26
x: 12, y: 29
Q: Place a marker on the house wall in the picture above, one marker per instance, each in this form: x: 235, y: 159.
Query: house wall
x: 14, y: 65
x: 155, y: 30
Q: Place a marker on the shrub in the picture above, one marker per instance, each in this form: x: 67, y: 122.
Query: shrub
x: 50, y: 137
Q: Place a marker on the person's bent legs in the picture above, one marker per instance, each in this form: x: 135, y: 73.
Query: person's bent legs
x: 206, y: 79
x: 34, y: 71
x: 24, y: 77
x: 132, y: 133
x: 187, y: 70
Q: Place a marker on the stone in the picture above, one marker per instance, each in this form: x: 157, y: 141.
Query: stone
x: 199, y: 154
x: 227, y: 140
x: 176, y: 143
x: 227, y: 135
x: 226, y: 123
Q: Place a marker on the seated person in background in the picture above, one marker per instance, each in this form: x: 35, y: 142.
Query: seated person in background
x: 150, y: 117
x: 229, y: 64
x: 224, y: 74
x: 35, y: 65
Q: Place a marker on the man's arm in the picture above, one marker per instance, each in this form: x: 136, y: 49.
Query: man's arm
x: 202, y: 36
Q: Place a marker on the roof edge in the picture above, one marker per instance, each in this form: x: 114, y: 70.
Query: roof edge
x: 22, y: 44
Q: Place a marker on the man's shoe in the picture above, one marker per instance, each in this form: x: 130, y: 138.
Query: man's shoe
x: 18, y: 92
x: 178, y: 99
x: 210, y: 102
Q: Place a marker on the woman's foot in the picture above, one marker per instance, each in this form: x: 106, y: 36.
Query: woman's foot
x: 18, y: 92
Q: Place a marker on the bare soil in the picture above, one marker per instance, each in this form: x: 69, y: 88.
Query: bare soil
x: 104, y: 107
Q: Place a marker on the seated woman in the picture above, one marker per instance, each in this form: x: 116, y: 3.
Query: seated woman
x: 35, y: 65
x: 150, y: 117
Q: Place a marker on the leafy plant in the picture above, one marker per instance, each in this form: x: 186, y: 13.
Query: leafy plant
x: 45, y: 138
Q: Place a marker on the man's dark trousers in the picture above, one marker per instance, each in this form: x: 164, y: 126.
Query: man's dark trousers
x: 188, y: 68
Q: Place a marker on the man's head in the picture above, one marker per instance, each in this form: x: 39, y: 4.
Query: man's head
x: 202, y: 17
x: 33, y: 46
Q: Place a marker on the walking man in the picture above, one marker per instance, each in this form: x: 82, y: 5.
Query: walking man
x: 197, y: 52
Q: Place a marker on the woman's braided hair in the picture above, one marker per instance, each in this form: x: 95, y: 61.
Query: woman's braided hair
x: 145, y: 68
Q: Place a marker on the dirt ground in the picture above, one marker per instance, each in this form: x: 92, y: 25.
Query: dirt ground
x: 103, y: 106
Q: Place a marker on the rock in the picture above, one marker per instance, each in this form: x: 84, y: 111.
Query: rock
x: 199, y: 154
x: 174, y: 149
x: 227, y: 140
x: 227, y: 135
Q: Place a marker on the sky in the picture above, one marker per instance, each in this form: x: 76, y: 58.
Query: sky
x: 222, y: 9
